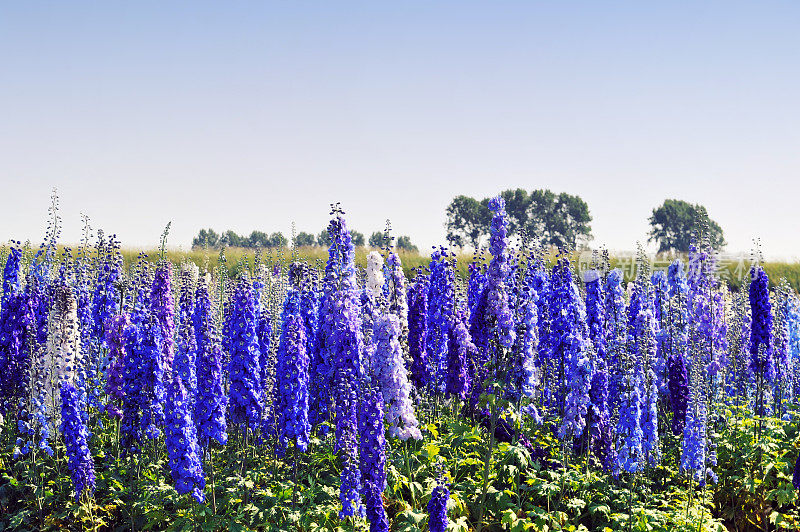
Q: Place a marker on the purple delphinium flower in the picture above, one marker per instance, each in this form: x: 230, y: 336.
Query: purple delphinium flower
x: 115, y: 340
x: 417, y: 332
x: 211, y: 401
x: 14, y: 353
x: 595, y: 311
x: 245, y: 391
x: 372, y: 452
x: 761, y: 361
x: 460, y: 351
x: 600, y: 430
x: 675, y: 344
x: 76, y: 437
x: 437, y: 508
x: 345, y: 343
x: 497, y: 293
x: 394, y: 290
x: 392, y: 378
x: 163, y: 309
x: 292, y: 375
x: 185, y: 362
x: 181, y: 443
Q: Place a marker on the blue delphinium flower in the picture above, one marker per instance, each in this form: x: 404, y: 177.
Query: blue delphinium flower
x: 761, y: 363
x: 497, y: 292
x: 697, y: 454
x: 417, y: 332
x: 245, y: 393
x: 292, y: 375
x: 392, y: 378
x: 211, y: 401
x: 181, y: 443
x: 437, y: 508
x: 76, y: 437
x: 372, y: 452
x: 440, y: 311
x: 629, y: 429
x: 143, y: 408
x: 595, y: 311
x: 568, y: 322
x: 394, y: 290
x: 675, y: 344
x: 460, y: 351
x: 615, y: 333
x: 646, y: 332
x: 185, y: 361
x: 14, y: 353
x: 600, y: 432
x: 163, y: 309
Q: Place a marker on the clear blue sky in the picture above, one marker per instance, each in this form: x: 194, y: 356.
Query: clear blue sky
x: 251, y: 115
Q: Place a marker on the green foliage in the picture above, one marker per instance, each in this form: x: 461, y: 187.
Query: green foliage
x: 675, y: 223
x: 252, y: 489
x: 560, y: 220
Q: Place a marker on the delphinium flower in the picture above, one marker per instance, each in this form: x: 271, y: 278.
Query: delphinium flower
x: 568, y: 322
x: 417, y: 332
x: 372, y: 453
x: 395, y: 291
x: 266, y: 361
x: 783, y: 387
x: 477, y: 281
x: 496, y: 291
x: 105, y: 300
x: 181, y: 443
x: 646, y: 360
x: 115, y: 381
x: 76, y: 437
x: 675, y: 345
x: 58, y: 362
x: 440, y: 311
x: 163, y: 310
x: 374, y: 275
x: 629, y: 429
x: 793, y: 337
x: 460, y: 351
x: 244, y: 371
x: 292, y: 375
x: 186, y: 353
x: 660, y: 313
x: 13, y: 334
x: 524, y: 374
x: 615, y: 335
x: 761, y: 361
x: 392, y: 379
x: 143, y: 407
x: 693, y: 453
x: 346, y: 345
x: 211, y: 401
x: 595, y: 311
x: 437, y: 507
x: 600, y: 430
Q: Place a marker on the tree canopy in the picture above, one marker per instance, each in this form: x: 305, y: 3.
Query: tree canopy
x: 676, y: 222
x: 560, y: 220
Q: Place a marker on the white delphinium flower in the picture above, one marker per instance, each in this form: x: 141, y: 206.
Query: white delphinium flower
x: 375, y: 278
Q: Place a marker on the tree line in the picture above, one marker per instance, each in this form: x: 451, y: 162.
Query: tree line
x: 260, y: 239
x: 563, y: 221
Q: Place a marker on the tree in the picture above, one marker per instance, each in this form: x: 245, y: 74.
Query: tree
x: 358, y: 238
x: 230, y: 238
x: 304, y: 239
x: 404, y: 243
x: 276, y: 240
x: 376, y: 239
x: 257, y: 239
x: 206, y: 237
x: 467, y: 221
x: 558, y: 220
x: 324, y: 238
x: 676, y: 223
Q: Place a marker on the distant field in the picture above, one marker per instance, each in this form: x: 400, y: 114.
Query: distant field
x: 732, y: 268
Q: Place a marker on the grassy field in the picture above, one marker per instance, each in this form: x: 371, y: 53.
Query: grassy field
x: 731, y: 268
